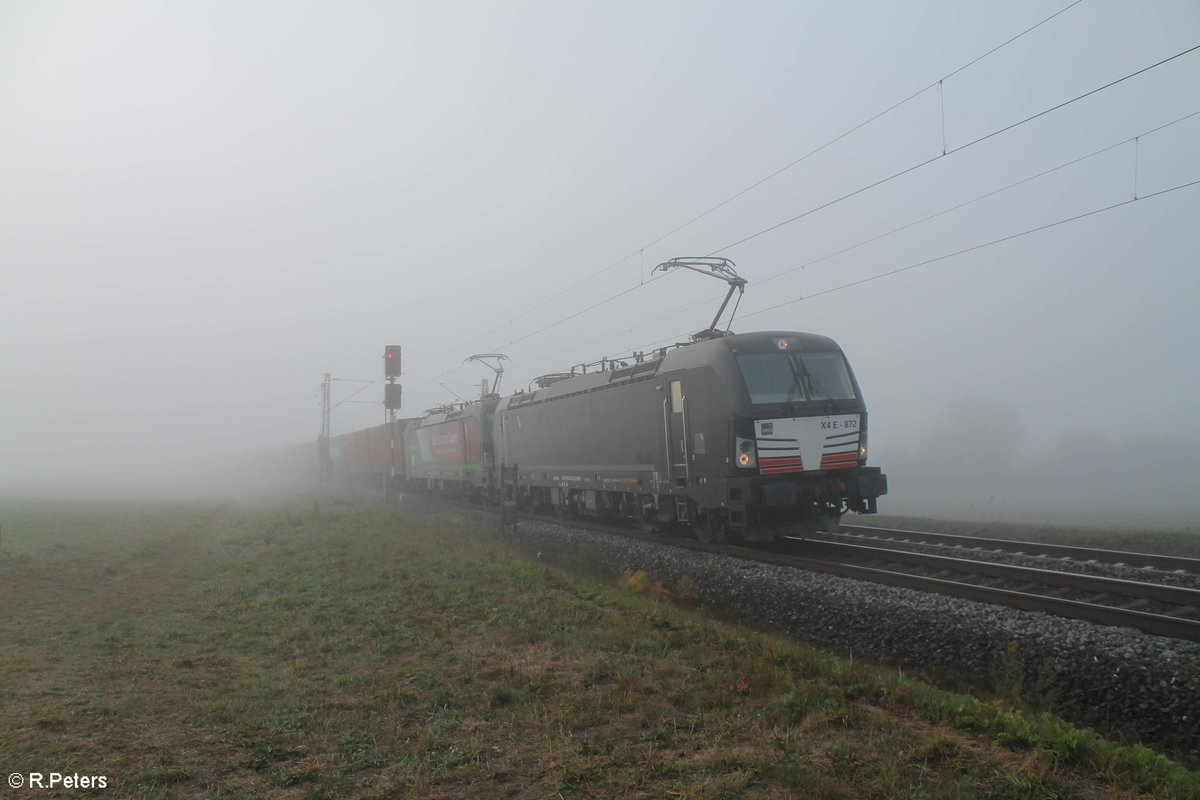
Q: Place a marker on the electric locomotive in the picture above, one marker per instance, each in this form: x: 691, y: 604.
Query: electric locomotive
x: 450, y: 450
x: 754, y: 435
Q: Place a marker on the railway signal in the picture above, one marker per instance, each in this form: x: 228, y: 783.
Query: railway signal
x: 391, y: 396
x: 391, y: 361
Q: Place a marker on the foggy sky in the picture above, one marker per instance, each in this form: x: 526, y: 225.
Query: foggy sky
x: 204, y: 207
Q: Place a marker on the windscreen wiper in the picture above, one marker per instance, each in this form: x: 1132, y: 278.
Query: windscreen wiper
x: 813, y: 383
x: 796, y: 384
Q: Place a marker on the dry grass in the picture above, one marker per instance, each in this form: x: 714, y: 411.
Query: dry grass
x: 353, y: 652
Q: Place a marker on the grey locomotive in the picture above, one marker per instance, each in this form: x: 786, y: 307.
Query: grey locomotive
x: 753, y: 435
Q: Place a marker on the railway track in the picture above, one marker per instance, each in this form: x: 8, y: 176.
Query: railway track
x: 1171, y: 611
x: 1046, y: 550
x: 1157, y: 608
x: 1165, y: 610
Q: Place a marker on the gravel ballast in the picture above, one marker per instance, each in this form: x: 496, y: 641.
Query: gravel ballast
x: 1115, y: 679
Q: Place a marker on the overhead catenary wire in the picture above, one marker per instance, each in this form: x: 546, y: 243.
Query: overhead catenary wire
x: 678, y: 337
x: 347, y: 399
x: 861, y: 243
x: 977, y: 198
x: 649, y: 345
x: 554, y: 324
x: 951, y: 152
x: 858, y: 191
x: 640, y: 251
x: 857, y: 127
x: 973, y: 248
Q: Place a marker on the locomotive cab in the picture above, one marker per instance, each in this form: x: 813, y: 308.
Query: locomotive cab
x: 805, y: 438
x: 795, y: 449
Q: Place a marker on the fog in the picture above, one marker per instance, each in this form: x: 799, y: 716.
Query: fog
x: 205, y: 207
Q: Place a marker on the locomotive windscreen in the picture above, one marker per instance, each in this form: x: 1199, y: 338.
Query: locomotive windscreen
x: 795, y: 377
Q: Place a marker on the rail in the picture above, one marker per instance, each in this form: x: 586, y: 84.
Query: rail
x: 1154, y: 560
x: 1177, y: 625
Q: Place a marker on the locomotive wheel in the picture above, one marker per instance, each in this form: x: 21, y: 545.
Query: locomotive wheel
x: 707, y: 528
x: 830, y: 523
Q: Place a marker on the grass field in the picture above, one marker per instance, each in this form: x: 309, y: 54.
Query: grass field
x: 350, y: 651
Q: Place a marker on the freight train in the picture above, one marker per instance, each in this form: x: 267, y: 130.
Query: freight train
x: 750, y: 436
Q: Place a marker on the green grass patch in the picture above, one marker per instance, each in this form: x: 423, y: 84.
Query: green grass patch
x: 355, y: 651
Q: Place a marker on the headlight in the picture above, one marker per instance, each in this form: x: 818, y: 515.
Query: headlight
x: 862, y: 447
x: 744, y: 454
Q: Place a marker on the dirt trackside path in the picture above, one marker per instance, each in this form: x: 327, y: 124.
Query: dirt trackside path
x: 352, y: 651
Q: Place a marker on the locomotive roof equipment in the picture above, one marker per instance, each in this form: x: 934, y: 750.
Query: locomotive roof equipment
x: 721, y: 268
x: 497, y: 368
x: 543, y: 381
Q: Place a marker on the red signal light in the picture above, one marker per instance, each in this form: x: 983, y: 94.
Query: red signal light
x: 391, y: 361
